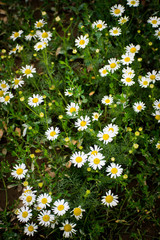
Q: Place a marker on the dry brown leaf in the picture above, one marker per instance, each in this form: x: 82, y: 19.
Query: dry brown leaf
x: 1, y: 133
x: 4, y: 151
x: 58, y: 51
x: 3, y: 11
x: 4, y: 125
x: 2, y: 3
x: 52, y: 174
x: 90, y: 68
x: 68, y: 164
x: 19, y: 188
x: 91, y: 93
x: 74, y: 142
x: 4, y: 19
x: 18, y: 131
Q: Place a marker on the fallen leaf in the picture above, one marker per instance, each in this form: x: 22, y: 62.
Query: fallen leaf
x: 4, y: 125
x: 18, y: 131
x: 4, y: 151
x: 74, y: 142
x: 90, y: 68
x: 58, y: 51
x: 91, y: 93
x: 68, y: 164
x: 1, y: 133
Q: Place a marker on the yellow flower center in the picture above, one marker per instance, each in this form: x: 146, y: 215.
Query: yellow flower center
x: 3, y: 85
x: 78, y: 159
x: 139, y: 107
x: 157, y: 117
x: 81, y: 42
x: 1, y: 93
x: 27, y: 71
x: 96, y: 161
x: 104, y: 71
x: 109, y: 199
x: 99, y: 25
x: 145, y: 83
x: 158, y: 146
x: 39, y: 46
x: 114, y: 170
x: 52, y: 134
x: 94, y: 152
x: 111, y: 129
x: 60, y: 207
x: 39, y: 24
x: 115, y: 31
x: 7, y: 98
x: 128, y: 79
x: 35, y: 100
x: 44, y: 200
x: 117, y: 11
x: 46, y: 218
x: 123, y: 20
x: 14, y: 49
x: 77, y: 211
x: 127, y: 59
x: 133, y: 50
x: 154, y: 21
x: 133, y: 2
x: 67, y: 228
x: 159, y: 33
x: 24, y: 214
x: 107, y: 100
x: 152, y: 77
x: 72, y: 109
x: 19, y: 171
x: 30, y: 228
x: 105, y: 136
x: 28, y: 198
x: 44, y: 35
x: 113, y: 65
x: 159, y: 105
x: 83, y: 123
x: 16, y: 81
x: 16, y: 34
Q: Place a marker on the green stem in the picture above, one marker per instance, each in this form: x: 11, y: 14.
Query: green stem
x: 31, y: 109
x: 6, y: 195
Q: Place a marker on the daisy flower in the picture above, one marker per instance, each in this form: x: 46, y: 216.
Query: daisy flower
x: 99, y: 25
x: 127, y: 80
x: 115, y: 31
x: 82, y: 41
x: 103, y: 71
x: 114, y: 170
x: 19, y: 171
x: 156, y: 104
x: 107, y: 100
x: 28, y: 198
x: 28, y: 70
x: 30, y: 36
x: 128, y: 71
x: 113, y: 65
x: 35, y: 101
x: 68, y: 229
x: 144, y: 82
x: 44, y: 200
x: 127, y: 58
x: 60, y: 207
x: 2, y: 95
x: 30, y: 229
x: 40, y: 45
x: 7, y: 97
x: 155, y: 21
x: 19, y: 48
x: 95, y: 116
x: 96, y: 161
x: 14, y: 50
x: 94, y: 150
x: 157, y: 33
x: 133, y: 3
x: 28, y: 189
x: 44, y: 36
x: 122, y: 100
x: 153, y: 76
x: 158, y: 145
x: 24, y: 214
x: 17, y: 82
x: 72, y: 109
x: 4, y: 86
x: 45, y: 217
x: 69, y: 92
x: 157, y: 115
x: 132, y: 48
x: 15, y: 35
x: 105, y: 136
x: 117, y: 10
x: 52, y: 133
x: 110, y: 199
x: 113, y: 128
x: 82, y: 123
x: 123, y: 20
x: 138, y: 106
x: 78, y: 159
x: 77, y: 212
x: 40, y: 23
x: 53, y: 223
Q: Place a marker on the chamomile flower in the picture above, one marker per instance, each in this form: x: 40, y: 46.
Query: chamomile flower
x: 77, y: 212
x: 4, y: 86
x: 40, y: 23
x: 45, y: 218
x: 78, y: 159
x: 127, y: 58
x: 24, y: 214
x: 95, y: 116
x: 28, y: 70
x: 68, y: 229
x: 30, y: 229
x: 35, y: 101
x: 14, y: 50
x: 82, y: 41
x: 44, y: 200
x: 103, y: 71
x: 113, y: 65
x: 153, y: 76
x: 114, y: 170
x: 30, y: 36
x: 17, y: 82
x: 158, y: 145
x: 72, y: 109
x: 133, y: 3
x: 69, y: 92
x: 40, y: 45
x: 123, y: 20
x: 44, y: 36
x: 156, y: 104
x: 99, y: 25
x: 115, y: 31
x: 52, y: 133
x: 139, y: 106
x: 2, y: 93
x: 157, y: 33
x: 82, y: 123
x: 53, y: 223
x: 15, y: 35
x: 128, y: 71
x: 19, y: 171
x: 28, y: 189
x: 157, y: 115
x: 96, y: 161
x: 144, y: 82
x: 28, y: 198
x: 132, y: 48
x: 110, y: 200
x: 127, y: 80
x: 123, y: 100
x: 94, y: 150
x: 60, y: 207
x: 112, y: 128
x: 107, y: 100
x: 105, y: 136
x: 7, y: 97
x: 117, y: 10
x: 19, y: 48
x: 155, y: 21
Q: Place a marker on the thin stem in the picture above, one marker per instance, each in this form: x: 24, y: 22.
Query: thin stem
x: 31, y: 109
x: 6, y: 195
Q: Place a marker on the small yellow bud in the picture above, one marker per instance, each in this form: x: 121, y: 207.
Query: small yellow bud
x: 67, y: 139
x: 52, y: 87
x: 44, y: 96
x: 20, y: 92
x: 74, y: 51
x: 139, y: 31
x: 88, y: 192
x: 40, y: 184
x: 151, y: 85
x: 30, y: 128
x: 22, y: 99
x: 112, y: 159
x: 50, y: 193
x: 35, y: 54
x: 139, y: 59
x: 3, y: 50
x: 32, y: 156
x: 130, y: 151
x: 140, y: 129
x: 135, y: 145
x: 53, y: 28
x: 97, y: 50
x: 150, y: 43
x: 137, y: 133
x: 88, y: 169
x: 129, y: 129
x: 60, y: 116
x: 57, y: 19
x: 43, y: 13
x: 41, y: 114
x: 80, y: 147
x: 71, y: 19
x: 49, y: 104
x: 125, y: 176
x: 86, y: 35
x: 25, y: 183
x: 82, y: 27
